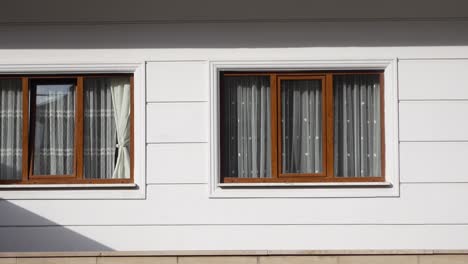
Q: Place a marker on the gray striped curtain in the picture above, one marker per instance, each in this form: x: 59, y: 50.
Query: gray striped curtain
x: 301, y: 124
x: 100, y: 131
x: 357, y: 140
x: 11, y: 128
x: 107, y: 128
x: 247, y: 127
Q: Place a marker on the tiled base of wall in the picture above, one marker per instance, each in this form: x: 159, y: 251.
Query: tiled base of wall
x: 241, y: 258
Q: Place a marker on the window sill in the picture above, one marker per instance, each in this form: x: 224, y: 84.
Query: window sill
x: 121, y: 191
x: 69, y: 186
x: 305, y: 190
x: 307, y: 184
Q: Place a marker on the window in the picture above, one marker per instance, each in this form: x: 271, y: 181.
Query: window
x: 66, y: 129
x: 301, y: 127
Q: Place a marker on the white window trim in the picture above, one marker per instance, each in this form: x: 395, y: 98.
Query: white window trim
x: 389, y: 188
x: 136, y: 190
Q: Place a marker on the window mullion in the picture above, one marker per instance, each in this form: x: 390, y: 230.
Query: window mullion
x: 274, y: 126
x: 132, y: 124
x: 382, y: 124
x: 31, y: 116
x: 25, y: 147
x: 329, y: 126
x: 79, y: 141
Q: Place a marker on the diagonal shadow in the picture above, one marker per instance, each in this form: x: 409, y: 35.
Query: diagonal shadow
x: 45, y: 236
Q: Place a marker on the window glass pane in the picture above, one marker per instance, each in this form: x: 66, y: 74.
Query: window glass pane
x: 54, y: 127
x: 107, y: 128
x: 357, y: 140
x: 11, y: 129
x: 301, y: 122
x: 246, y: 127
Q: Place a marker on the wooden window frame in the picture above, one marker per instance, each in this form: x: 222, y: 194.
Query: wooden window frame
x: 28, y: 141
x: 328, y: 128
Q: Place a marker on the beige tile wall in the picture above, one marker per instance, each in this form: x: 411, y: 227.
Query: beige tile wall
x: 322, y: 259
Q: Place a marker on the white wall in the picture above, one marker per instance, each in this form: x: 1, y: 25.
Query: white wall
x: 177, y: 213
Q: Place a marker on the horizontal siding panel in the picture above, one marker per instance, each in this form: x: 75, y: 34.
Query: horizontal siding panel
x: 177, y: 81
x: 188, y: 204
x: 433, y: 79
x: 433, y: 161
x: 434, y: 121
x: 177, y: 122
x: 149, y: 238
x: 178, y: 163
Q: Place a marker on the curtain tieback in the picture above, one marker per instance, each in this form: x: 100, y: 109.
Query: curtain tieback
x: 122, y: 145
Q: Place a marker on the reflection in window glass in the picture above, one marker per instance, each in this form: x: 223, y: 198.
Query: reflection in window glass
x: 54, y: 128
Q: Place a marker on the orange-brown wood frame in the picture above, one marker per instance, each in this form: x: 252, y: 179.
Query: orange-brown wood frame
x: 279, y: 144
x: 328, y: 174
x: 28, y: 144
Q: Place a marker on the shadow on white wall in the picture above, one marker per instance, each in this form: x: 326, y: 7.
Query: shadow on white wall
x: 236, y: 35
x: 45, y: 235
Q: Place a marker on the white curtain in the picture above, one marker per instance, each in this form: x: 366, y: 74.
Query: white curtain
x: 100, y: 134
x: 11, y: 129
x: 301, y: 122
x: 54, y: 130
x: 246, y: 125
x: 120, y: 89
x: 357, y: 138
